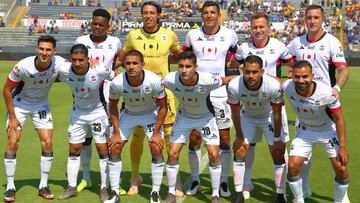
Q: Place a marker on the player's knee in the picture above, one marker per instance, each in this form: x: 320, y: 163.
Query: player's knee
x: 214, y: 157
x: 341, y: 171
x: 293, y: 168
x: 155, y: 150
x: 157, y: 159
x: 75, y: 148
x: 13, y: 145
x: 173, y: 156
x: 46, y: 144
x: 240, y: 152
x: 88, y: 141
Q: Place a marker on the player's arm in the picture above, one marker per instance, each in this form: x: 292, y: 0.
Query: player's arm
x: 239, y: 137
x: 339, y: 120
x: 8, y: 98
x: 227, y: 79
x: 278, y: 149
x: 343, y: 72
x: 114, y: 116
x: 119, y: 61
x: 156, y: 136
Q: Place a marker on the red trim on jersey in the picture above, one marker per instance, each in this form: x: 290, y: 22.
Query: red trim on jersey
x: 114, y: 100
x: 11, y: 81
x: 222, y: 81
x: 158, y: 101
x: 233, y: 105
x: 277, y: 104
x: 335, y: 110
x: 339, y: 64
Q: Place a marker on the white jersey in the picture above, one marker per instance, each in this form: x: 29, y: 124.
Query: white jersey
x: 211, y: 52
x: 141, y: 99
x: 313, y: 111
x: 33, y: 85
x: 324, y: 55
x: 104, y: 52
x: 86, y: 88
x: 271, y: 54
x: 256, y: 104
x: 194, y: 100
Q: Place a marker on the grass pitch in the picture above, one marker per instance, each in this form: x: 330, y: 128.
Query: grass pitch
x: 28, y: 157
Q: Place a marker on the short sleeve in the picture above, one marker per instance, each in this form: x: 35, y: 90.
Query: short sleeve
x: 16, y: 75
x: 114, y: 93
x: 239, y: 54
x: 333, y: 103
x: 277, y: 96
x: 159, y: 91
x: 128, y: 43
x: 175, y: 46
x: 233, y: 91
x: 285, y: 53
x: 337, y: 53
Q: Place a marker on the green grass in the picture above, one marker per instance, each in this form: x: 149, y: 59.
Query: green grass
x: 28, y: 156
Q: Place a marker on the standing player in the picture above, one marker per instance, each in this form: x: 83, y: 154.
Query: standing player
x: 89, y: 113
x: 320, y: 122
x: 32, y: 79
x: 272, y: 52
x: 155, y: 43
x: 262, y: 100
x: 144, y: 98
x: 325, y: 54
x: 102, y: 49
x: 211, y: 44
x: 193, y: 89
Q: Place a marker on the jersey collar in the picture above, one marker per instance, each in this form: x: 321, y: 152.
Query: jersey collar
x: 260, y: 47
x: 127, y: 79
x: 313, y: 91
x: 151, y: 32
x: 203, y: 30
x: 97, y: 40
x: 261, y: 82
x: 72, y: 69
x: 45, y: 68
x: 197, y: 80
x: 313, y: 41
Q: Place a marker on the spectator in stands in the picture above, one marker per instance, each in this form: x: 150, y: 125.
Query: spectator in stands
x: 2, y: 23
x: 71, y: 3
x: 40, y: 29
x: 30, y: 30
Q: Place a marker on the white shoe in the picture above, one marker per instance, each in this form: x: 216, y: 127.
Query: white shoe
x: 247, y: 190
x: 224, y: 190
x: 194, y: 188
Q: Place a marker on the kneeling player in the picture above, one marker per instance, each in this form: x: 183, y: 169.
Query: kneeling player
x: 262, y: 99
x: 88, y: 113
x: 192, y: 89
x: 321, y: 121
x: 144, y: 98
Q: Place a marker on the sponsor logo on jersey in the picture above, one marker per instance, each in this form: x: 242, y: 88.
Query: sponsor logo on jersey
x: 93, y: 78
x: 264, y: 94
x: 272, y: 51
x: 210, y: 39
x: 202, y: 90
x: 199, y: 39
x: 88, y: 47
x: 322, y: 48
x: 339, y: 55
x: 70, y: 79
x: 147, y: 90
x: 139, y: 38
x: 81, y: 79
x: 110, y: 46
x: 98, y: 46
x: 213, y: 136
x: 31, y: 76
x: 311, y: 47
x: 260, y: 52
x: 222, y: 39
x: 243, y: 95
x: 164, y: 38
x: 301, y: 47
x: 250, y: 53
x: 177, y: 89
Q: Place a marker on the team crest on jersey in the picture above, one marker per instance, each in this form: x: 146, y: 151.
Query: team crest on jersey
x: 93, y: 78
x: 222, y: 39
x: 264, y: 94
x: 201, y: 90
x: 164, y: 38
x: 317, y: 103
x: 322, y: 48
x: 110, y: 46
x: 147, y: 89
x: 272, y: 51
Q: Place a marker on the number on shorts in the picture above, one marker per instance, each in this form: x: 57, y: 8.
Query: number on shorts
x: 222, y: 113
x: 96, y: 127
x: 42, y: 114
x: 150, y: 127
x: 206, y: 131
x: 334, y: 142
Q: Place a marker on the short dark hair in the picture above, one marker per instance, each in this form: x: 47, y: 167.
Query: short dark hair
x: 187, y: 55
x: 210, y: 3
x: 152, y: 3
x: 302, y: 64
x: 315, y: 7
x: 47, y: 38
x: 102, y: 12
x: 254, y: 59
x: 259, y: 15
x: 135, y: 53
x: 79, y: 48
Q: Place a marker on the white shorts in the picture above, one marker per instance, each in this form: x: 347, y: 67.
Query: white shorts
x: 109, y: 130
x: 252, y: 127
x: 128, y: 123
x: 39, y: 112
x: 81, y: 121
x: 184, y: 126
x: 284, y: 131
x: 305, y: 140
x: 222, y: 114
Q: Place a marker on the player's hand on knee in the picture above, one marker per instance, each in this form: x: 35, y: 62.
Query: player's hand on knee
x: 278, y: 149
x: 239, y: 144
x: 114, y: 140
x: 157, y: 140
x: 14, y: 123
x: 343, y: 156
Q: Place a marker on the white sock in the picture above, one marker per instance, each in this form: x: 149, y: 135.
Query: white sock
x: 280, y: 178
x: 115, y: 167
x: 103, y: 164
x: 225, y: 157
x: 85, y: 155
x: 73, y: 166
x: 194, y: 160
x: 45, y: 167
x: 238, y: 173
x: 249, y: 161
x: 157, y: 170
x: 10, y: 167
x: 295, y: 184
x: 304, y: 173
x: 171, y: 173
x: 215, y: 175
x: 340, y: 190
